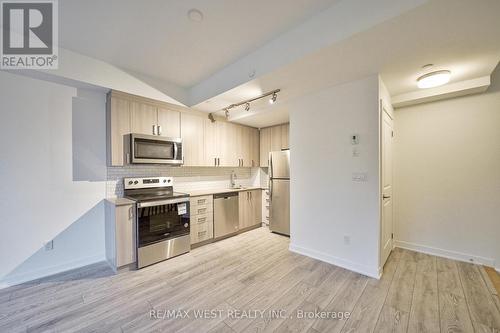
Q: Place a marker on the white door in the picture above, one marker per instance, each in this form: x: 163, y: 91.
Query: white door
x: 387, y: 200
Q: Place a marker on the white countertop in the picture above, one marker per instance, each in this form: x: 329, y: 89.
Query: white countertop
x: 120, y: 201
x: 198, y: 193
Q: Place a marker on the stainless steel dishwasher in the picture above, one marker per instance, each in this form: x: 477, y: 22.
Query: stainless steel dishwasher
x: 226, y: 214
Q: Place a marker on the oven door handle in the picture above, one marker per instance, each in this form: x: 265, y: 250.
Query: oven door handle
x: 161, y: 202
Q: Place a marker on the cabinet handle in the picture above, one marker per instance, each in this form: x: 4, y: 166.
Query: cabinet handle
x: 159, y: 130
x: 203, y: 210
x: 154, y: 129
x: 218, y: 161
x: 128, y: 158
x: 201, y: 201
x: 202, y: 219
x: 130, y: 213
x: 201, y: 233
x: 215, y: 161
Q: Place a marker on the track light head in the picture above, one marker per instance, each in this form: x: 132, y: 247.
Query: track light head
x: 247, y: 106
x: 272, y: 100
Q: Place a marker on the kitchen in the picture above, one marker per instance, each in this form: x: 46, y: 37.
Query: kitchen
x: 241, y: 166
x: 223, y: 170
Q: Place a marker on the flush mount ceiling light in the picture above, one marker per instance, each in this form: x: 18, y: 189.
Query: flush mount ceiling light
x: 195, y: 15
x: 272, y: 100
x: 434, y: 79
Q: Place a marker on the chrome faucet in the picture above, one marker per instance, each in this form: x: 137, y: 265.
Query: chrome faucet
x: 233, y: 179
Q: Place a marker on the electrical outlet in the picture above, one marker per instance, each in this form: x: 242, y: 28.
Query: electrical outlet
x: 48, y: 245
x: 347, y: 239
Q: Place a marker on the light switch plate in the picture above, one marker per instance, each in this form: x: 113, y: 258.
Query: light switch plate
x: 359, y: 177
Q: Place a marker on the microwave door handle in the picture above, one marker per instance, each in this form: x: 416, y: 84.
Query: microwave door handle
x: 176, y: 149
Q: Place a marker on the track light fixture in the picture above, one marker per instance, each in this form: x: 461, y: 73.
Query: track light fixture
x: 272, y: 100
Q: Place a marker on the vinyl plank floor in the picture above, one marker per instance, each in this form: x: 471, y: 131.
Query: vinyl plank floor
x: 255, y: 271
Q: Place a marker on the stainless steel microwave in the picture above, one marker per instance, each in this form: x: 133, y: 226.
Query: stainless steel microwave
x: 154, y: 149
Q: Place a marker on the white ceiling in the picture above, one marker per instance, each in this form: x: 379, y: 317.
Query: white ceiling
x: 157, y: 39
x: 459, y: 35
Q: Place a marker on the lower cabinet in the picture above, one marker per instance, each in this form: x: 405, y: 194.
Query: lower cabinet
x: 202, y: 218
x: 120, y: 233
x: 250, y: 206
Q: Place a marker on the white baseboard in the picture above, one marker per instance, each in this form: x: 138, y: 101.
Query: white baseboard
x: 13, y: 280
x: 352, y: 266
x: 445, y: 253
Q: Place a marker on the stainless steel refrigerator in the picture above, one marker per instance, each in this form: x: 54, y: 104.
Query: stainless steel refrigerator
x: 279, y: 192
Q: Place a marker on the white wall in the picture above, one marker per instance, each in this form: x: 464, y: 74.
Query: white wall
x: 326, y: 204
x: 447, y: 177
x: 52, y: 177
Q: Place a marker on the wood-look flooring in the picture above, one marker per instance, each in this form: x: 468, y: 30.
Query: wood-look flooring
x: 255, y: 271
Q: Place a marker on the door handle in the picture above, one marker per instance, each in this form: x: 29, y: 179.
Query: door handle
x: 159, y: 130
x: 154, y: 129
x: 386, y: 197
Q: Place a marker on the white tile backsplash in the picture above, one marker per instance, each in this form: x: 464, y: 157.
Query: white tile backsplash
x: 185, y: 178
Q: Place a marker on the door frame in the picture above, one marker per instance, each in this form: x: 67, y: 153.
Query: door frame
x: 390, y: 113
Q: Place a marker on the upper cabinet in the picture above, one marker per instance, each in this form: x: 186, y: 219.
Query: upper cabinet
x: 192, y: 133
x: 285, y: 130
x: 154, y: 120
x: 254, y: 147
x: 210, y: 149
x: 144, y: 118
x: 265, y: 146
x: 273, y: 138
x: 169, y: 123
x: 276, y: 138
x: 205, y: 143
x: 118, y: 124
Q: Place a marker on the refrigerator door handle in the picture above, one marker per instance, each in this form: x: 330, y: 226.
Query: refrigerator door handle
x: 270, y: 165
x: 270, y: 190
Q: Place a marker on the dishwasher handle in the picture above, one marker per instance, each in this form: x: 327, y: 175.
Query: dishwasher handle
x: 226, y: 196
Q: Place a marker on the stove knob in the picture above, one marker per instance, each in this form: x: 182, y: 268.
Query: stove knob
x: 186, y: 225
x: 164, y: 180
x: 136, y: 182
x: 130, y: 182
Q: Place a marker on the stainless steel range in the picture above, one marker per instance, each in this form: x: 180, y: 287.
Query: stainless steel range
x: 162, y: 219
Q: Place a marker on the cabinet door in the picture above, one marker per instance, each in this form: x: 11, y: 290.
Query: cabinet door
x: 144, y: 118
x: 169, y: 123
x: 265, y: 146
x: 119, y: 125
x: 246, y: 146
x: 244, y: 209
x: 210, y: 143
x: 192, y: 139
x: 254, y: 147
x: 256, y: 207
x: 125, y: 235
x: 227, y: 144
x: 276, y: 138
x: 285, y: 133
